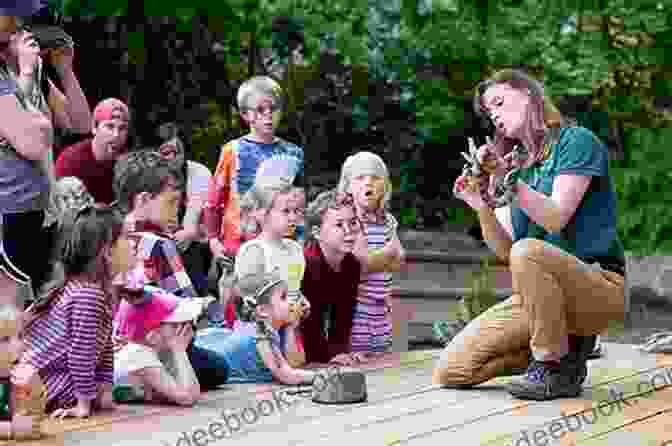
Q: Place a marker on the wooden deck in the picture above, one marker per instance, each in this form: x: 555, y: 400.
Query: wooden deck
x: 405, y: 409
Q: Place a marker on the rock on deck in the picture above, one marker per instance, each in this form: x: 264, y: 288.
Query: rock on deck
x: 618, y: 407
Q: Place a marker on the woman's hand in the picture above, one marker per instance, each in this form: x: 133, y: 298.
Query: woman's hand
x: 470, y: 189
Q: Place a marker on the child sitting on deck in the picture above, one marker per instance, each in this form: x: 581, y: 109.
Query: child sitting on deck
x: 261, y: 348
x: 366, y: 177
x: 153, y: 365
x: 68, y: 332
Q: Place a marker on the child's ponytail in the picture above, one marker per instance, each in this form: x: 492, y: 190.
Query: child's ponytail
x: 80, y: 236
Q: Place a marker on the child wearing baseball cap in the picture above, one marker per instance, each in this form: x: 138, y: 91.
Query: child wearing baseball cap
x: 153, y: 364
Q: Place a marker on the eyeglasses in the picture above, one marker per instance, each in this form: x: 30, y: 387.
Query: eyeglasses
x: 261, y: 110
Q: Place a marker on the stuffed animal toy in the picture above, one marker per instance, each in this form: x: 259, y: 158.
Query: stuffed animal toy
x: 503, y: 174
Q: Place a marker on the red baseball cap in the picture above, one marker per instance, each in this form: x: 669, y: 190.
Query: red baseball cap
x: 106, y: 109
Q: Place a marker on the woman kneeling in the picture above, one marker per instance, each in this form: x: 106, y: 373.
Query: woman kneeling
x: 547, y: 207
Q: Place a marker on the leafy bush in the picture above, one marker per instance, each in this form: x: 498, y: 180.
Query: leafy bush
x: 643, y: 192
x: 482, y: 294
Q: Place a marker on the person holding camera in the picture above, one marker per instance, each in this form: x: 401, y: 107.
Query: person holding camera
x: 31, y: 106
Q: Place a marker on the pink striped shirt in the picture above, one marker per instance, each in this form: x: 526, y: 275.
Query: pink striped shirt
x: 71, y: 344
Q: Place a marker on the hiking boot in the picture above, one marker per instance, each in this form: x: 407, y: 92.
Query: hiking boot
x: 549, y: 380
x: 597, y: 350
x: 584, y: 348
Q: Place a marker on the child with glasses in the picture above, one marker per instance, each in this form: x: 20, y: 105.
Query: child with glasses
x: 260, y: 104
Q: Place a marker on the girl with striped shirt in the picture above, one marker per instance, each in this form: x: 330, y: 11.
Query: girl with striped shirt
x: 68, y: 333
x: 366, y: 177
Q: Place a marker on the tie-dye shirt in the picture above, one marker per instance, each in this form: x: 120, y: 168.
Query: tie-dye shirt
x: 235, y: 174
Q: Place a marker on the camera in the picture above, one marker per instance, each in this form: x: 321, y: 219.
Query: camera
x: 46, y: 26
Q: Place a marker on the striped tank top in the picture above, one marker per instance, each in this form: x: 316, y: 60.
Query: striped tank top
x: 371, y: 328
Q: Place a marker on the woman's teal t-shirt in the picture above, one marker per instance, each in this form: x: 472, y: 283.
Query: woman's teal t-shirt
x: 591, y: 234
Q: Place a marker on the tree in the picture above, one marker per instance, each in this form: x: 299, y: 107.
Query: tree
x: 392, y: 76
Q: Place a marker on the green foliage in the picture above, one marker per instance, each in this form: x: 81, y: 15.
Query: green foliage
x: 482, y: 294
x: 462, y: 216
x: 207, y: 140
x: 429, y: 54
x: 642, y: 188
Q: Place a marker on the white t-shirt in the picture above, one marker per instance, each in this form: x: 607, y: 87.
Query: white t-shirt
x: 131, y: 358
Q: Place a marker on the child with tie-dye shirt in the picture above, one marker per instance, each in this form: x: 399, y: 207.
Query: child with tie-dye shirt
x: 259, y: 101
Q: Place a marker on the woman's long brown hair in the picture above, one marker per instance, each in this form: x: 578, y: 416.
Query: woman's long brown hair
x: 543, y: 120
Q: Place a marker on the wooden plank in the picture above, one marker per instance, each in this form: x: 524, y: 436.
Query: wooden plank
x: 403, y: 407
x: 496, y: 423
x: 173, y: 420
x: 653, y: 431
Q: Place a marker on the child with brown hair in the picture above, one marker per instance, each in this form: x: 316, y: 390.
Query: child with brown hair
x: 68, y: 332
